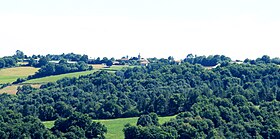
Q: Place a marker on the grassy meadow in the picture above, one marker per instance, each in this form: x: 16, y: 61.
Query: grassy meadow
x: 10, y: 75
x: 115, y: 126
x: 74, y: 74
x: 54, y: 78
x: 117, y: 67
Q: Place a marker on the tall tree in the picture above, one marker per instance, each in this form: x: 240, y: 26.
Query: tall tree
x: 19, y: 54
x: 2, y: 63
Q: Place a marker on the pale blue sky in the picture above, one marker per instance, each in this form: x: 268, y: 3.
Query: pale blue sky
x: 239, y: 28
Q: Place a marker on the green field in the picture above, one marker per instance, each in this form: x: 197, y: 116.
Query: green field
x: 57, y: 77
x: 115, y: 126
x: 75, y: 74
x: 10, y: 75
x: 117, y: 67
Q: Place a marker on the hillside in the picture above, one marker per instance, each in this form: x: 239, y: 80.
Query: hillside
x: 229, y: 101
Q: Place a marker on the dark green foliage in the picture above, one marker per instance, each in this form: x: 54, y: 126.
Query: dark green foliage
x: 2, y: 63
x: 14, y: 125
x: 7, y: 62
x: 150, y: 132
x: 96, y: 130
x: 42, y: 61
x: 19, y: 80
x: 19, y: 54
x: 47, y: 113
x: 207, y: 61
x: 148, y: 120
x: 265, y: 59
x: 79, y: 126
x: 145, y: 120
x: 104, y: 60
x: 109, y: 63
x: 61, y: 68
x: 69, y: 56
x: 84, y: 58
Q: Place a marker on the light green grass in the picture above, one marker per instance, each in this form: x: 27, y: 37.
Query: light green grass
x: 116, y: 67
x: 54, y: 78
x: 10, y: 75
x: 119, y: 67
x: 115, y: 126
x: 48, y: 124
x: 57, y: 77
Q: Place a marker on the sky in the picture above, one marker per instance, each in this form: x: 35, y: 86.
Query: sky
x: 155, y: 28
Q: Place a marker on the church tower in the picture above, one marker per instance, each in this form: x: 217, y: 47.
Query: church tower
x: 139, y: 57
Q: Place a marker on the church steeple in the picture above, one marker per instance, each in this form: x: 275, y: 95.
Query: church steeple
x: 139, y: 57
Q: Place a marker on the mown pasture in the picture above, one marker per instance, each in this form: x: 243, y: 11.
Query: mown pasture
x: 10, y: 75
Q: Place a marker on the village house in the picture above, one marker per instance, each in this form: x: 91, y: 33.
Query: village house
x: 178, y: 62
x: 143, y: 61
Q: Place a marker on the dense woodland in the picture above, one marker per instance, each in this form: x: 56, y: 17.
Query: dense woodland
x: 7, y: 62
x: 229, y: 101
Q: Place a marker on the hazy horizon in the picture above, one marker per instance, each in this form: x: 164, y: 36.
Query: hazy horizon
x: 238, y: 29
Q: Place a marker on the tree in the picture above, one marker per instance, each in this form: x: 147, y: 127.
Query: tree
x: 131, y: 132
x: 47, y: 113
x: 96, y: 130
x: 170, y: 58
x: 82, y: 66
x: 84, y: 58
x: 161, y: 105
x: 42, y: 61
x: 145, y: 120
x: 80, y: 124
x: 190, y: 56
x: 109, y: 63
x: 9, y: 62
x: 154, y: 118
x: 2, y: 63
x: 19, y: 54
x: 276, y: 60
x: 32, y: 62
x: 104, y: 60
x: 50, y: 69
x: 266, y: 59
x: 62, y: 109
x: 63, y: 61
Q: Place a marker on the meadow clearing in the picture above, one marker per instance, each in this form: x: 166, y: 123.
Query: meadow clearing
x: 10, y: 75
x: 115, y: 126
